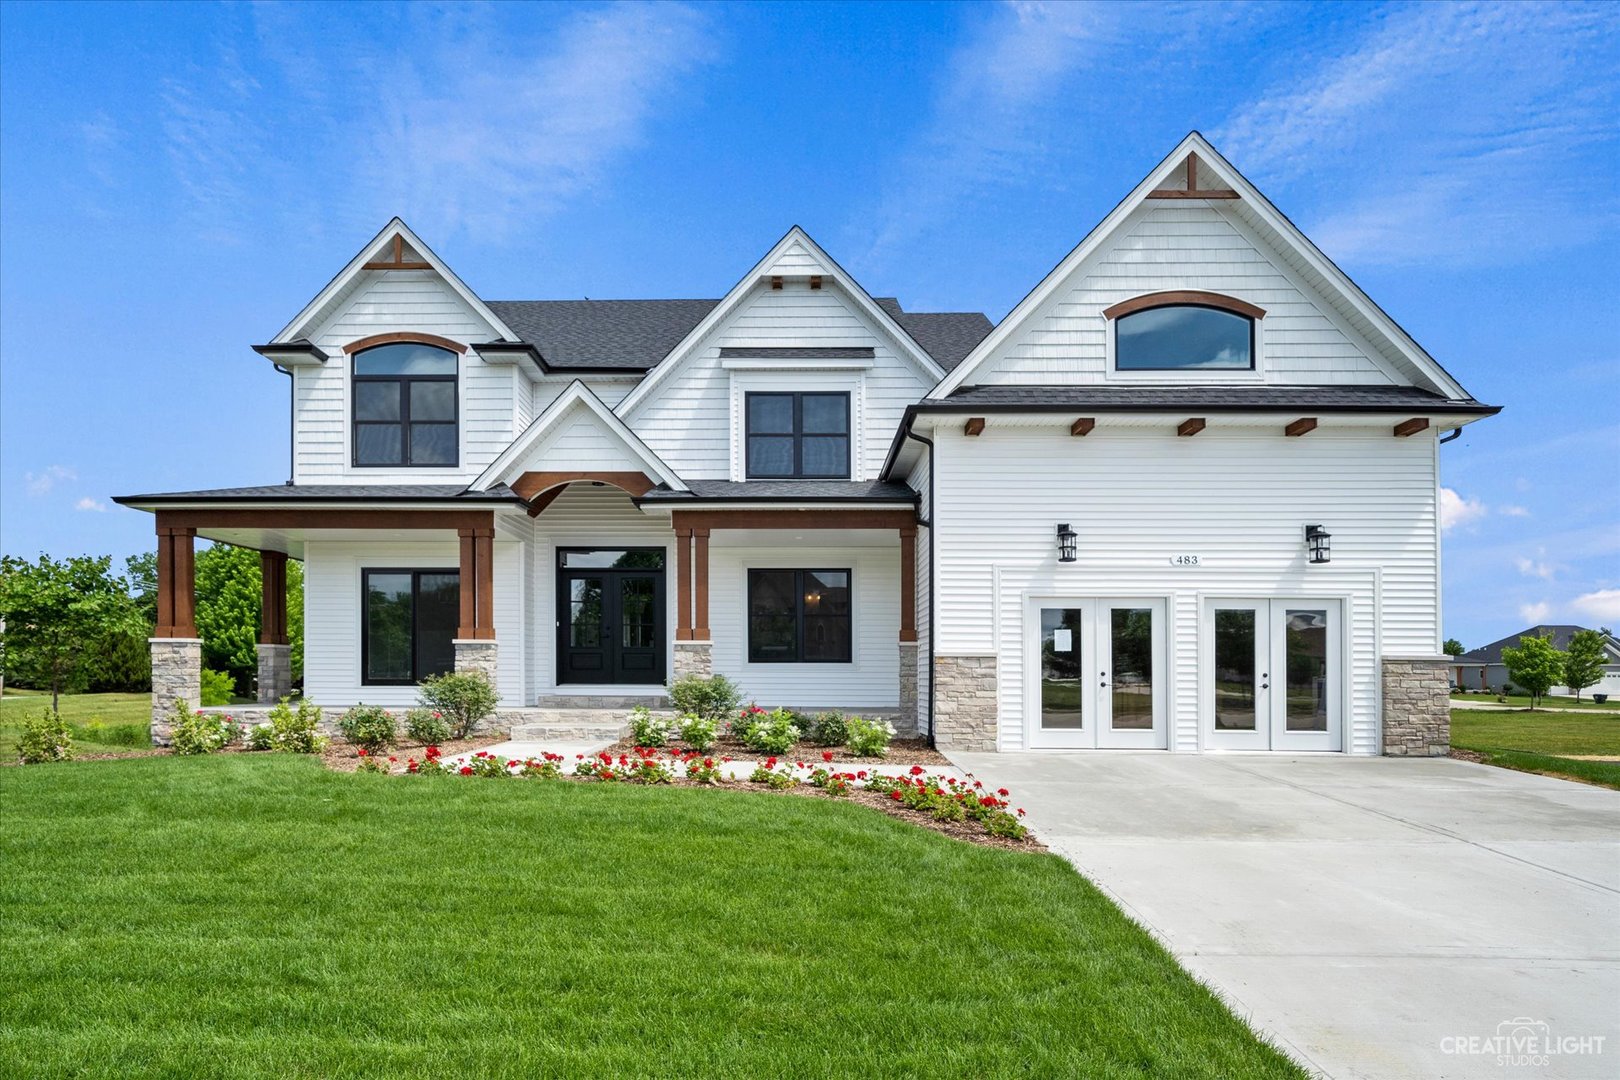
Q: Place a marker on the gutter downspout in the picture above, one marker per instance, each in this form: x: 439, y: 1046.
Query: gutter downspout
x: 933, y: 516
x: 1455, y: 433
x: 292, y: 422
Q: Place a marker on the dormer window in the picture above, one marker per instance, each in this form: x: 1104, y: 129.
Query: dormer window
x: 405, y: 405
x: 1184, y: 332
x: 798, y: 436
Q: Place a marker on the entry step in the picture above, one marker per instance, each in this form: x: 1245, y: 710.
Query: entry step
x: 605, y: 702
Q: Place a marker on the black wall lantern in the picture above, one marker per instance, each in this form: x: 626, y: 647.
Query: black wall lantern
x: 1316, y: 542
x: 1065, y: 543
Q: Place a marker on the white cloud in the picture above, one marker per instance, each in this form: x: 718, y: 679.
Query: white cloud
x: 87, y: 503
x: 1536, y: 613
x: 42, y: 482
x: 1458, y: 133
x: 1536, y: 568
x: 1510, y: 510
x: 1602, y: 605
x: 1455, y: 510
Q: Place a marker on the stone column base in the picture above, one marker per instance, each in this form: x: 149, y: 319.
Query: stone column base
x: 477, y: 654
x: 176, y: 676
x: 1417, y: 706
x: 965, y: 707
x: 908, y: 687
x: 694, y: 658
x: 275, y: 673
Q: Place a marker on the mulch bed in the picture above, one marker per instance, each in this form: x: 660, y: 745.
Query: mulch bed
x: 343, y: 757
x: 901, y: 751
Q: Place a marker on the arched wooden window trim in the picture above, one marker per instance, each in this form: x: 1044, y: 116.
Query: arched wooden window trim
x: 1184, y: 298
x: 404, y: 336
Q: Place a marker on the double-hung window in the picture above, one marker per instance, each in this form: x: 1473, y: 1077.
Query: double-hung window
x: 408, y: 625
x: 798, y: 436
x: 799, y: 617
x: 405, y: 405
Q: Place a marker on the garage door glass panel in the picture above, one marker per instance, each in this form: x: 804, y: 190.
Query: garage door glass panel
x: 1132, y: 678
x: 1235, y: 704
x: 1306, y: 632
x: 1060, y: 668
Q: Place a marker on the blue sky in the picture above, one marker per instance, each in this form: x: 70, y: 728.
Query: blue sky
x: 177, y: 180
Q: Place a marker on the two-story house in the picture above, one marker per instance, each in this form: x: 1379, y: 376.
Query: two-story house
x: 1184, y: 496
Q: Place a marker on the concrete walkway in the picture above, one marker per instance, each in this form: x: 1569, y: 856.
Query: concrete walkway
x: 1372, y: 915
x: 1497, y: 706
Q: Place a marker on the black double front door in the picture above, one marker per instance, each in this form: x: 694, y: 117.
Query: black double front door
x: 610, y: 616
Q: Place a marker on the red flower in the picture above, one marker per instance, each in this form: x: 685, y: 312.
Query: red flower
x: 432, y: 751
x: 861, y: 775
x: 895, y: 795
x: 770, y: 763
x: 391, y: 757
x: 826, y: 755
x: 1020, y: 811
x: 362, y: 751
x: 410, y: 766
x: 916, y: 770
x: 1003, y: 792
x: 466, y: 770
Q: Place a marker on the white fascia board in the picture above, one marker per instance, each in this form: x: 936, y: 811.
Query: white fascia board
x: 577, y: 393
x: 327, y: 504
x: 661, y: 508
x: 720, y: 312
x: 797, y: 365
x: 356, y: 266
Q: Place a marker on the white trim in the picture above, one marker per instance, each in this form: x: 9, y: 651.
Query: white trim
x: 356, y: 266
x: 577, y: 393
x: 1209, y: 158
x: 745, y: 382
x: 797, y: 365
x: 908, y: 346
x: 720, y: 506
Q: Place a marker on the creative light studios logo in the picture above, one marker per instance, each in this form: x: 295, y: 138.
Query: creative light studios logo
x: 1523, y: 1041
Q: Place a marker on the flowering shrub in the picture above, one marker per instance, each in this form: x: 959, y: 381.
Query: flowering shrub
x: 867, y: 738
x: 45, y: 737
x: 373, y: 764
x: 833, y: 783
x: 739, y: 724
x: 369, y: 727
x: 829, y: 729
x: 648, y: 729
x: 767, y: 773
x: 464, y: 698
x: 198, y: 732
x: 699, y: 732
x: 295, y: 732
x: 259, y: 737
x: 704, y: 770
x: 710, y: 698
x: 772, y: 733
x: 487, y: 764
x: 645, y: 768
x: 427, y: 726
x: 547, y: 767
x: 430, y: 765
x: 601, y: 767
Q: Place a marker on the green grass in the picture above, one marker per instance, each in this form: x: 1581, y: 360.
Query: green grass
x: 1539, y: 741
x: 101, y: 723
x: 257, y: 915
x: 1522, y: 701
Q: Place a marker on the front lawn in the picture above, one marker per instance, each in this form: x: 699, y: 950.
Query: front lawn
x: 260, y: 915
x: 101, y: 723
x: 1543, y: 742
x: 1465, y: 698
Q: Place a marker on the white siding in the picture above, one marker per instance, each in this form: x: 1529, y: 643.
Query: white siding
x: 918, y: 480
x: 399, y: 300
x: 689, y: 419
x: 332, y: 661
x: 580, y: 442
x: 870, y: 680
x: 1187, y: 246
x: 1237, y: 498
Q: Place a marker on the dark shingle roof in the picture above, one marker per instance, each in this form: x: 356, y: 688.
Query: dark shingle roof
x: 947, y: 336
x: 785, y: 491
x: 1231, y: 398
x: 1492, y: 653
x: 331, y: 493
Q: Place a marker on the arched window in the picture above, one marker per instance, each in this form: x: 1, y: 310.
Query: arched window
x: 1184, y: 332
x: 405, y: 405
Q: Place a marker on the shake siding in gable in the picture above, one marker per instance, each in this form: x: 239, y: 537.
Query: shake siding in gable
x: 1188, y: 246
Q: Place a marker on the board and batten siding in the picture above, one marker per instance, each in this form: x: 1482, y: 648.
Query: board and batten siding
x: 332, y: 616
x: 1188, y: 246
x: 390, y: 302
x: 1238, y: 498
x: 692, y: 421
x: 872, y: 678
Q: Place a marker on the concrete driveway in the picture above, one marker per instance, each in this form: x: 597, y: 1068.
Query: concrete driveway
x: 1377, y: 917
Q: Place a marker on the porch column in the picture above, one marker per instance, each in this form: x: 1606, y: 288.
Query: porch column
x: 908, y: 628
x: 683, y: 583
x: 274, y: 651
x: 700, y: 573
x: 475, y: 636
x: 693, y: 649
x: 176, y: 649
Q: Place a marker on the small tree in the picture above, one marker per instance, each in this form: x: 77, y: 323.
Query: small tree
x: 1583, y: 663
x: 1535, y: 666
x: 56, y: 613
x: 1453, y: 647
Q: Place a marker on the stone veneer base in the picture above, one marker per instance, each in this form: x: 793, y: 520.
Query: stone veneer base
x: 477, y: 654
x: 694, y: 658
x: 965, y: 705
x: 1417, y: 706
x: 275, y: 673
x: 176, y: 676
x: 908, y: 720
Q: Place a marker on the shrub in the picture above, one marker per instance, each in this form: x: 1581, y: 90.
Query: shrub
x: 773, y: 733
x: 45, y: 738
x: 430, y: 765
x: 296, y: 732
x: 546, y: 767
x: 372, y: 763
x: 766, y: 773
x: 217, y: 687
x: 868, y: 738
x: 369, y: 727
x: 486, y: 764
x: 427, y: 726
x: 829, y: 729
x: 198, y: 732
x: 260, y: 737
x: 464, y: 698
x: 703, y: 770
x: 648, y: 729
x: 647, y: 769
x: 698, y: 732
x: 711, y: 698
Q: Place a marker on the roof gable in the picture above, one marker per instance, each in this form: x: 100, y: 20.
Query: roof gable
x: 1219, y: 182
x: 1559, y: 634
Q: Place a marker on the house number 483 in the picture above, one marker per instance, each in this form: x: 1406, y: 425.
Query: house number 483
x: 1183, y: 560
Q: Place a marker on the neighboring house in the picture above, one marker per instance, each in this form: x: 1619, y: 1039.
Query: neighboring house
x: 1482, y: 669
x: 1183, y: 497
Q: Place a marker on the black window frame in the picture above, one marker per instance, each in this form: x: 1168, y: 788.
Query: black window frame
x: 798, y: 435
x: 416, y: 573
x: 1253, y: 345
x: 404, y: 422
x: 798, y: 613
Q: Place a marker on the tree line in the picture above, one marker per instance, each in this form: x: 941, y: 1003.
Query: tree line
x: 76, y: 626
